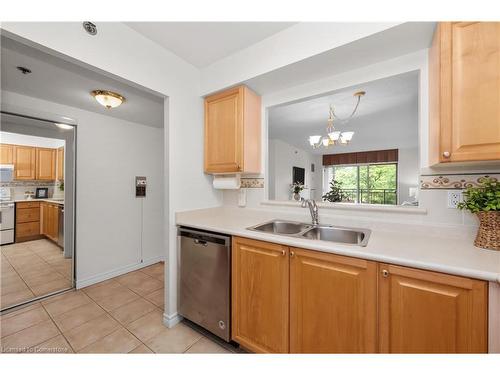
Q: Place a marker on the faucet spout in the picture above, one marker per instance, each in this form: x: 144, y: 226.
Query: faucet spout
x: 313, y: 209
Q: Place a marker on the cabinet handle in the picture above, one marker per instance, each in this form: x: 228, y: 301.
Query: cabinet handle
x: 292, y: 254
x: 446, y: 154
x: 283, y: 252
x: 385, y: 273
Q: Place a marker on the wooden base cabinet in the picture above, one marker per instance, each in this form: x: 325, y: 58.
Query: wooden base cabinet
x: 429, y: 312
x: 303, y: 301
x: 49, y: 220
x: 333, y: 303
x: 260, y: 295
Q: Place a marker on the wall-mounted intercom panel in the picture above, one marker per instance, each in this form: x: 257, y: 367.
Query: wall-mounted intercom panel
x: 140, y: 186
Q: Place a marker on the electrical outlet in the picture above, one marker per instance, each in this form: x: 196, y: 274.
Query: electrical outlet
x: 454, y: 198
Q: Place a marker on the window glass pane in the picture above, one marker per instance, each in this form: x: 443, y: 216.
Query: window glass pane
x: 382, y: 184
x: 347, y: 176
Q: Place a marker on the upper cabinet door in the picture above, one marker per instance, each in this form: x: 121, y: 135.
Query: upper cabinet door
x: 333, y: 303
x: 464, y: 92
x: 45, y: 163
x: 224, y: 132
x: 232, y: 132
x: 428, y: 312
x: 60, y: 164
x: 24, y: 162
x: 260, y: 295
x: 6, y: 154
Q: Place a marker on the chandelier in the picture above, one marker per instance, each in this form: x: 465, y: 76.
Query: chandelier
x: 336, y: 137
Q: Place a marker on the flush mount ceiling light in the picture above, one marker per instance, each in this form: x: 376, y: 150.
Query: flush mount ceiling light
x: 335, y: 137
x: 108, y: 99
x: 63, y: 126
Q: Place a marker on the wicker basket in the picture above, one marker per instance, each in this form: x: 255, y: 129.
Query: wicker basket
x: 488, y: 235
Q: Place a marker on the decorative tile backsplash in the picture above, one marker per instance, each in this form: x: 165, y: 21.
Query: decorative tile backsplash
x: 31, y: 183
x: 454, y: 181
x: 252, y: 183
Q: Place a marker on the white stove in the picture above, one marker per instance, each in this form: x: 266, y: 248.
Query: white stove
x: 7, y: 209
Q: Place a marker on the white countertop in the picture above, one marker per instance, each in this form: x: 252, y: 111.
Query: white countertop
x: 40, y: 200
x: 421, y: 246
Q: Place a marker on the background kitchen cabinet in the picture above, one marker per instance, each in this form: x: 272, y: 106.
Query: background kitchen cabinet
x: 45, y: 163
x: 333, y: 303
x: 260, y: 295
x: 49, y: 220
x: 429, y: 312
x: 24, y: 162
x: 60, y: 163
x: 232, y: 132
x: 27, y: 221
x: 464, y: 92
x: 6, y: 154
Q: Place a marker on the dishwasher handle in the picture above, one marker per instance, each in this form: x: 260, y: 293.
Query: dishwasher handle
x: 204, y: 238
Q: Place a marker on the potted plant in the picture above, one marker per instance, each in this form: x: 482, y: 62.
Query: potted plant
x: 484, y: 201
x: 296, y: 187
x: 335, y: 194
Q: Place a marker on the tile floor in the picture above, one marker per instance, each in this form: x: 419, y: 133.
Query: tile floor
x: 120, y: 315
x: 32, y: 269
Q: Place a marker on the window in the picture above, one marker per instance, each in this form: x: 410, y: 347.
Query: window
x: 365, y: 183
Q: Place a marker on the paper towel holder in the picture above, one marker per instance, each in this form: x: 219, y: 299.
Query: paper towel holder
x: 227, y: 181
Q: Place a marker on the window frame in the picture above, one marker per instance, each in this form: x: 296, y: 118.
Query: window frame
x: 326, y: 182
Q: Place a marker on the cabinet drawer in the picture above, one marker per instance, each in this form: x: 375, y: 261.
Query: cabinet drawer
x: 27, y: 204
x: 27, y: 229
x: 27, y: 215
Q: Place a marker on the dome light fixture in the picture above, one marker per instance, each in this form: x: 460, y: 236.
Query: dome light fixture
x: 63, y: 126
x: 108, y: 99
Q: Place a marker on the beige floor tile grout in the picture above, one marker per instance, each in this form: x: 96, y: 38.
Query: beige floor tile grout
x: 121, y: 325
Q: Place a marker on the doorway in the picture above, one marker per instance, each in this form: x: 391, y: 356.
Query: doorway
x: 37, y: 192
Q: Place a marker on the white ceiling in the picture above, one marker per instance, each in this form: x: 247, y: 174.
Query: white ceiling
x: 386, y: 117
x: 394, y: 42
x: 63, y: 82
x: 202, y: 43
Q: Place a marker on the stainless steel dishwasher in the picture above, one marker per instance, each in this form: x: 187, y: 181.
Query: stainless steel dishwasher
x: 205, y: 280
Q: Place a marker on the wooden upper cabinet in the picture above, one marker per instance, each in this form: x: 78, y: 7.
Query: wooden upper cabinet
x: 464, y: 92
x: 45, y: 163
x: 6, y: 154
x: 233, y: 132
x: 60, y: 164
x: 260, y: 297
x: 333, y: 303
x: 24, y: 162
x: 428, y: 312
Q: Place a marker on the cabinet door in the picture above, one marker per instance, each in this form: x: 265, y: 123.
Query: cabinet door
x: 224, y: 132
x: 333, y: 303
x: 43, y: 218
x: 24, y: 162
x: 469, y: 98
x: 45, y: 163
x: 60, y: 163
x: 6, y: 154
x: 428, y: 312
x: 260, y: 295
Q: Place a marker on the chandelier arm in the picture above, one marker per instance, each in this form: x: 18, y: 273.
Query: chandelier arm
x: 350, y: 116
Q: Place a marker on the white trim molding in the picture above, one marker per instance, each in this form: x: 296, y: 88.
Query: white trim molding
x: 116, y: 272
x: 171, y: 320
x: 354, y: 207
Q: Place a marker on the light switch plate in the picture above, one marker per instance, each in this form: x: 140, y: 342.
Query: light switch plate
x: 454, y: 198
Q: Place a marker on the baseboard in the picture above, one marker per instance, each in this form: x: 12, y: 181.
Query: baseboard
x: 171, y: 320
x: 116, y: 272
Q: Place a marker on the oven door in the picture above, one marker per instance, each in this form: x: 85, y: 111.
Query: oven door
x: 6, y: 216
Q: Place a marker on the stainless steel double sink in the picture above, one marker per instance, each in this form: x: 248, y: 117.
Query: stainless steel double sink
x: 330, y: 233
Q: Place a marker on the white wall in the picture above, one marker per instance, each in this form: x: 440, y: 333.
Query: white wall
x: 408, y: 172
x: 282, y: 158
x: 293, y: 44
x: 110, y: 153
x: 30, y: 140
x: 186, y: 186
